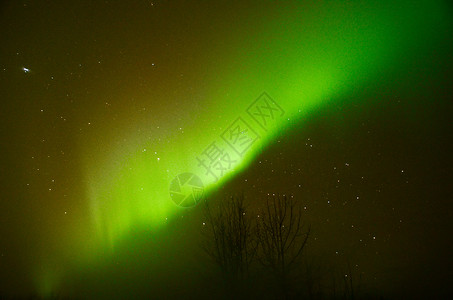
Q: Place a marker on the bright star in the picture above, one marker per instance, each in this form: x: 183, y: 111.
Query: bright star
x: 26, y: 70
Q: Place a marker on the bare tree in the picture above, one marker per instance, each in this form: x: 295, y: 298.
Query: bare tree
x: 282, y: 237
x: 230, y: 242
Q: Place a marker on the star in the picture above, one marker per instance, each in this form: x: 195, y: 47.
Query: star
x: 26, y: 70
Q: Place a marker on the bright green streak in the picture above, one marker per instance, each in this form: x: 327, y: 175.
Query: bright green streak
x: 301, y: 59
x: 301, y: 62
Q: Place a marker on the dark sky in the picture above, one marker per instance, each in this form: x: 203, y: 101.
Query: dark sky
x: 94, y: 92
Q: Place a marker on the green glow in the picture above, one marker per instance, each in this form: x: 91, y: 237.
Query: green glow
x: 302, y: 59
x: 302, y: 64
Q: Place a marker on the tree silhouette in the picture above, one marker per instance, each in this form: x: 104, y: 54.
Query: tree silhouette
x: 230, y: 240
x: 282, y: 237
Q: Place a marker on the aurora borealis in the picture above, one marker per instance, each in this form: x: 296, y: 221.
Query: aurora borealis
x: 106, y: 103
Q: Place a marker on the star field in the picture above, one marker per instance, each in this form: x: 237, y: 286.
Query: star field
x: 345, y: 107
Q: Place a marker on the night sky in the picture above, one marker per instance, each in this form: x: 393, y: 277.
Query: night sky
x: 105, y: 105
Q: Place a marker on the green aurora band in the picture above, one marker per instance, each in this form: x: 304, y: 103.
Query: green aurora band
x: 302, y: 58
